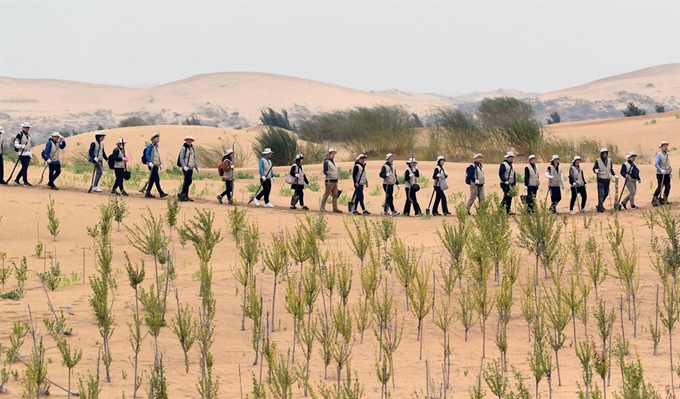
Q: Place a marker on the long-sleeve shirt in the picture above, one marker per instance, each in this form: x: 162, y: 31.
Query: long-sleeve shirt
x: 296, y: 169
x: 630, y: 171
x: 51, y: 153
x: 152, y: 155
x: 662, y: 163
x: 97, y: 148
x: 187, y: 157
x: 265, y: 168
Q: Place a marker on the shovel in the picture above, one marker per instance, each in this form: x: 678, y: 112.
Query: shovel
x: 427, y: 211
x: 617, y: 206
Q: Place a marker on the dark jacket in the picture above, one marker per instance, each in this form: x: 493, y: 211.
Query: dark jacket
x: 357, y: 171
x: 471, y: 173
x: 294, y: 170
x: 502, y: 170
x: 407, y: 174
x: 527, y: 176
x: 634, y: 171
x: 91, y: 152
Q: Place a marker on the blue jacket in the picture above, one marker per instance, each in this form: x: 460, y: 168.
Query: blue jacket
x: 261, y: 167
x: 147, y: 152
x: 48, y: 148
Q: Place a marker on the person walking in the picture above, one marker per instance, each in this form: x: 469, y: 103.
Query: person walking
x: 474, y: 177
x: 411, y: 185
x: 631, y: 176
x: 360, y: 181
x: 152, y: 156
x: 664, y: 174
x: 604, y: 170
x: 2, y: 166
x: 330, y: 170
x: 51, y: 155
x: 119, y: 161
x: 96, y: 154
x: 531, y: 182
x: 299, y: 180
x: 267, y: 176
x: 577, y: 182
x: 389, y: 176
x: 22, y: 143
x: 228, y: 177
x: 440, y: 185
x: 555, y: 182
x: 187, y: 160
x: 506, y: 172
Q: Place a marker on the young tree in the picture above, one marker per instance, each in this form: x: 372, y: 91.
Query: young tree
x: 493, y: 233
x: 554, y: 118
x: 539, y: 233
x: 136, y: 277
x: 633, y: 110
x: 454, y: 239
x: 421, y: 298
x: 275, y: 259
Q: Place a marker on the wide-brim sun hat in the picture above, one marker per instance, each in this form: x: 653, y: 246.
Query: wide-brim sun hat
x: 603, y: 150
x: 631, y: 154
x: 576, y: 158
x: 26, y: 124
x: 121, y: 141
x: 229, y: 152
x: 100, y: 133
x: 55, y: 134
x: 532, y: 156
x: 1, y: 130
x: 187, y: 138
x: 299, y: 157
x: 663, y: 143
x: 331, y: 150
x: 388, y: 156
x: 153, y: 136
x: 509, y: 154
x: 267, y: 151
x: 478, y: 156
x: 361, y: 156
x: 554, y: 157
x: 441, y: 158
x: 410, y: 161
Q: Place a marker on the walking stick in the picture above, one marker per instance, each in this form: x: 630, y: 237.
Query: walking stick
x: 261, y: 182
x: 617, y: 205
x: 94, y: 170
x: 42, y: 176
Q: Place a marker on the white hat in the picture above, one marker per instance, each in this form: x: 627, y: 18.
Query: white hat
x: 121, y: 141
x: 1, y: 130
x: 631, y: 154
x: 153, y: 136
x: 331, y: 150
x: 388, y: 156
x: 229, y: 152
x: 56, y: 134
x: 25, y: 124
x: 100, y: 133
x: 478, y: 156
x: 603, y: 150
x: 410, y: 161
x: 532, y: 156
x: 554, y: 157
x: 189, y: 138
x: 440, y: 158
x: 576, y: 158
x: 299, y: 156
x: 267, y: 151
x: 361, y: 156
x: 663, y: 143
x: 509, y: 154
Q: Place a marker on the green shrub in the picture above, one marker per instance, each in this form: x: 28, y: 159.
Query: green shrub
x: 500, y: 111
x: 136, y: 121
x: 193, y: 121
x: 282, y: 142
x: 210, y: 155
x: 314, y: 186
x: 633, y: 110
x: 554, y: 118
x: 275, y: 119
x: 244, y: 175
x: 344, y: 173
x: 252, y: 188
x: 285, y: 191
x: 377, y: 190
x: 314, y: 153
x: 660, y: 109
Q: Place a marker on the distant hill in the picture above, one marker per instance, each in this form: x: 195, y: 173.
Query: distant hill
x: 234, y: 99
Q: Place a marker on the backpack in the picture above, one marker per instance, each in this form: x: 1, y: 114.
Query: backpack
x: 113, y: 157
x: 144, y: 155
x: 220, y: 169
x: 18, y: 138
x: 179, y: 164
x: 467, y: 178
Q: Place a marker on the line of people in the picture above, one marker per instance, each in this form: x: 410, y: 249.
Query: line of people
x: 118, y: 160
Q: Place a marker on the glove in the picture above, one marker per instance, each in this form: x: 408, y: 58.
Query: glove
x: 525, y: 188
x: 96, y: 159
x: 616, y: 177
x: 297, y: 175
x: 262, y: 177
x: 273, y: 179
x: 476, y: 181
x: 388, y: 174
x: 398, y: 187
x: 438, y: 174
x: 664, y: 172
x: 160, y: 166
x: 150, y: 164
x: 186, y: 168
x: 551, y: 177
x: 506, y: 183
x: 126, y: 159
x: 574, y: 185
x: 49, y: 161
x: 597, y: 170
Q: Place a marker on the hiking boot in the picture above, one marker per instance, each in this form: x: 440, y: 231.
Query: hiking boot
x: 406, y: 215
x: 219, y: 199
x: 256, y: 201
x: 304, y: 208
x: 16, y: 183
x: 293, y: 207
x: 623, y: 206
x: 356, y: 213
x: 395, y: 213
x: 53, y: 187
x: 438, y: 214
x: 124, y: 194
x: 366, y: 213
x: 163, y: 195
x: 447, y: 213
x: 182, y: 198
x: 96, y: 189
x: 27, y: 184
x: 230, y: 202
x: 4, y: 183
x: 114, y: 192
x: 337, y: 211
x: 584, y: 210
x: 149, y: 195
x: 419, y: 214
x: 634, y: 208
x: 322, y: 210
x: 188, y: 199
x: 268, y: 205
x: 571, y: 212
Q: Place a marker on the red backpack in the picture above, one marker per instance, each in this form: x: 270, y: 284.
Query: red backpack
x: 220, y: 169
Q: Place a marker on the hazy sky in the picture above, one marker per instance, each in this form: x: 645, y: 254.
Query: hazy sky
x: 426, y: 46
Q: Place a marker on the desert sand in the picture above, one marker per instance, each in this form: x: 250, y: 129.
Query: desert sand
x: 24, y: 220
